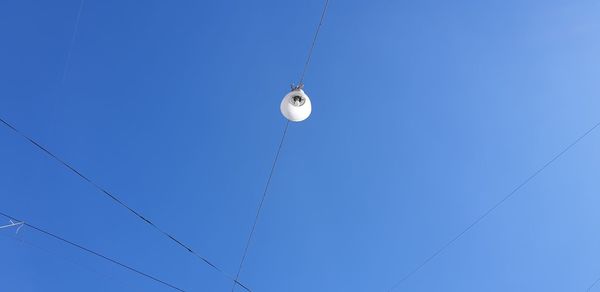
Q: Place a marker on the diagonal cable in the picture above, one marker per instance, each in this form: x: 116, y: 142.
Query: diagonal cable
x: 494, y: 207
x: 262, y: 200
x: 312, y: 46
x: 120, y: 202
x: 593, y: 284
x: 94, y: 253
x: 22, y: 242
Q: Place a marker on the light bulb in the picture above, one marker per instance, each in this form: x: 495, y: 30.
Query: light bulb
x: 296, y: 106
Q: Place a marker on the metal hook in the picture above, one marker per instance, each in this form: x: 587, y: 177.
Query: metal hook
x: 297, y: 87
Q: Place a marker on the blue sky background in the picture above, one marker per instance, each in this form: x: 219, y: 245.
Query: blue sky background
x: 425, y: 113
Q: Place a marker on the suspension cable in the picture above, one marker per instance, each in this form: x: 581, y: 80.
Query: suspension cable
x: 262, y: 200
x: 310, y: 51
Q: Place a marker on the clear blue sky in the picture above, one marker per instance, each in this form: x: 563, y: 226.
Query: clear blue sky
x: 425, y: 114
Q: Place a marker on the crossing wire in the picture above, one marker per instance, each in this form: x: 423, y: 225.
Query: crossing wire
x: 494, y: 207
x: 264, y: 195
x: 95, y: 253
x: 121, y: 203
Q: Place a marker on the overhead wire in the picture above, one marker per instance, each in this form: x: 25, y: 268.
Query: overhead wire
x: 120, y: 202
x: 593, y: 284
x: 494, y: 207
x: 31, y: 245
x: 314, y: 41
x: 262, y: 200
x: 264, y: 195
x: 95, y: 253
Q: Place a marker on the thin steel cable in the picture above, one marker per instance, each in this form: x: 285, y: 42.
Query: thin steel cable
x: 94, y: 253
x: 72, y: 43
x: 494, y: 207
x: 262, y: 200
x: 593, y: 284
x: 312, y: 47
x: 121, y: 203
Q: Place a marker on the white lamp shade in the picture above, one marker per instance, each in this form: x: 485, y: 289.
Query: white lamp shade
x: 296, y: 106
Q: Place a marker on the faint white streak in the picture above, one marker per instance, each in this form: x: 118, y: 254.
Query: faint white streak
x: 73, y: 37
